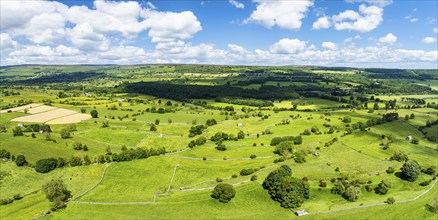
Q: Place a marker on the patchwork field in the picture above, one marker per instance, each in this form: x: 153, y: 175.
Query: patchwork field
x: 163, y: 138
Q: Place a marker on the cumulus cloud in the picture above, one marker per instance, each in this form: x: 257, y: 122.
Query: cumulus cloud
x: 367, y: 19
x: 6, y: 42
x: 284, y: 14
x: 388, y: 39
x: 429, y: 40
x: 329, y: 45
x: 322, y: 22
x: 285, y: 46
x: 236, y: 4
x: 169, y: 26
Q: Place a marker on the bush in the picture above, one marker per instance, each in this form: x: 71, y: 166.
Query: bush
x: 415, y: 141
x: 65, y: 133
x: 75, y: 161
x: 390, y: 200
x: 246, y: 172
x: 399, y: 156
x: 253, y: 177
x: 46, y: 165
x: 17, y: 131
x: 223, y: 192
x: 21, y: 160
x: 382, y: 188
x: 94, y: 113
x: 322, y: 183
x: 17, y: 197
x: 430, y: 170
x: 218, y: 180
x: 6, y: 201
x: 153, y: 127
x: 390, y: 170
x: 234, y: 176
x: 252, y: 156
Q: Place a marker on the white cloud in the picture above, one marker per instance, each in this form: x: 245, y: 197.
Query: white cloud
x: 151, y: 6
x: 38, y: 21
x: 285, y: 46
x: 411, y: 19
x: 429, y: 40
x: 350, y: 39
x: 381, y: 3
x: 237, y: 49
x: 169, y: 26
x: 236, y: 4
x: 6, y: 42
x: 388, y: 39
x: 435, y: 30
x: 322, y: 22
x: 329, y: 45
x: 85, y: 38
x: 284, y: 14
x: 368, y: 18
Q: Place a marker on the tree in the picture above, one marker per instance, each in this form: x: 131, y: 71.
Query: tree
x: 87, y: 160
x: 83, y: 110
x: 56, y: 192
x: 223, y: 192
x: 412, y: 116
x: 46, y: 165
x: 75, y: 161
x: 21, y: 160
x: 284, y: 149
x: 65, y: 133
x: 94, y: 113
x: 241, y: 135
x: 17, y: 131
x: 382, y: 188
x: 157, y: 121
x: 410, y: 170
x: 153, y: 127
x: 415, y: 141
x: 376, y: 106
x: 351, y: 193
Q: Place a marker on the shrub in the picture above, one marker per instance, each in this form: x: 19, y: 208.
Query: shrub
x: 46, y: 165
x: 430, y: 170
x: 399, y: 156
x: 382, y: 188
x: 219, y: 180
x: 234, y: 176
x: 94, y: 113
x: 390, y: 170
x: 21, y: 160
x: 223, y: 192
x: 246, y: 172
x: 252, y: 156
x: 17, y: 197
x: 253, y: 177
x: 390, y: 200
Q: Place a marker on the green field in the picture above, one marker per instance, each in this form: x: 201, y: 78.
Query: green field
x: 177, y: 183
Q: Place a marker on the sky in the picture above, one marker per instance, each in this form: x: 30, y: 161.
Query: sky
x: 351, y: 33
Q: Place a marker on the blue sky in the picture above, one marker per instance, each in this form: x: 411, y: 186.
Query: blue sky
x: 359, y: 33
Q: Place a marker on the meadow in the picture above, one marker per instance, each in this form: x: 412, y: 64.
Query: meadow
x: 339, y: 141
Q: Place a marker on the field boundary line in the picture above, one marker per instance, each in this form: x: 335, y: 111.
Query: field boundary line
x: 93, y: 187
x: 171, y: 179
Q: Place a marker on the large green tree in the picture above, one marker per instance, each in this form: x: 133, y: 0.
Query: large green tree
x: 56, y: 191
x: 410, y: 170
x: 223, y: 192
